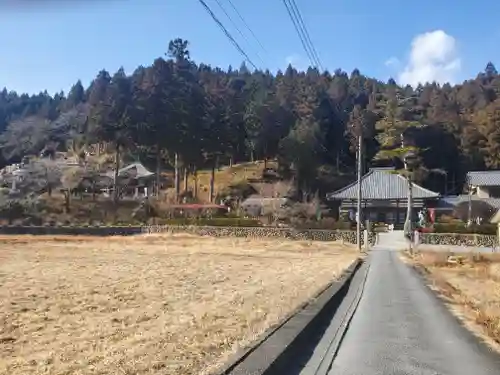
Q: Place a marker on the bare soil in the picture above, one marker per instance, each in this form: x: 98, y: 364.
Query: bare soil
x: 157, y: 304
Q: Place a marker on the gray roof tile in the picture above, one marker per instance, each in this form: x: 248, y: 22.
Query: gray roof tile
x: 484, y: 178
x: 379, y: 183
x: 140, y: 170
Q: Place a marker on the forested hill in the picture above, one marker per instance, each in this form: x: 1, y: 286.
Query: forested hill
x: 307, y: 120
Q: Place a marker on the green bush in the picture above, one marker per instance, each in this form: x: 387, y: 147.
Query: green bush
x: 213, y: 222
x: 486, y: 229
x: 326, y: 224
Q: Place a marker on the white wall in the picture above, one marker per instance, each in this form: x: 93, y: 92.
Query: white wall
x: 482, y: 192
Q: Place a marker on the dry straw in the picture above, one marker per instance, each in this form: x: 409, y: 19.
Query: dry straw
x: 154, y: 304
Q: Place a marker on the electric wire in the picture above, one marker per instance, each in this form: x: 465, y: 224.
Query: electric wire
x: 291, y: 13
x: 236, y: 27
x: 306, y: 33
x: 228, y: 35
x: 246, y: 25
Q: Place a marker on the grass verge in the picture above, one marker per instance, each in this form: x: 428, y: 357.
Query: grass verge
x: 156, y: 304
x: 469, y: 283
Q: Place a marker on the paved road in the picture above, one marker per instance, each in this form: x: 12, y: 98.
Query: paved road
x: 399, y: 327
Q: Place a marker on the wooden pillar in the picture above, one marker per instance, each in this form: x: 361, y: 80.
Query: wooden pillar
x: 498, y: 237
x: 397, y: 211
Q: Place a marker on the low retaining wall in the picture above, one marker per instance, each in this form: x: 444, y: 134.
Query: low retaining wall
x: 258, y: 232
x: 263, y: 232
x: 278, y: 350
x: 71, y: 231
x: 458, y: 239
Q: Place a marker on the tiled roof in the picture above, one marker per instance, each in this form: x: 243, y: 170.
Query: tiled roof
x: 140, y: 170
x: 379, y: 183
x: 452, y: 201
x: 484, y: 178
x: 257, y: 199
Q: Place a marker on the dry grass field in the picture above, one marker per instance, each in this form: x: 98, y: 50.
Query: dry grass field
x: 148, y: 304
x: 470, y: 283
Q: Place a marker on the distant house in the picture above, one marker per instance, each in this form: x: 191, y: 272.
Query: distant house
x: 384, y: 197
x: 142, y: 179
x: 256, y: 205
x: 137, y: 170
x: 449, y: 204
x: 484, y: 184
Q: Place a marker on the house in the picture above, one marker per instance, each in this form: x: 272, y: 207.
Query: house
x: 384, y: 197
x: 257, y: 205
x: 456, y: 204
x: 141, y: 180
x: 484, y: 184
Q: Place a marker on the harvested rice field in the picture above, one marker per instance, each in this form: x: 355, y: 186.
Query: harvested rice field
x: 156, y: 304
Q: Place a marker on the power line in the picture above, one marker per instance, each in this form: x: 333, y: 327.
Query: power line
x: 246, y: 25
x: 228, y: 35
x: 302, y: 32
x: 305, y: 33
x: 300, y: 27
x: 308, y: 38
x: 299, y: 32
x: 236, y: 27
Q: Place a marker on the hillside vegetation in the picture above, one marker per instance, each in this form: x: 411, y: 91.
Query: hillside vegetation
x: 206, y: 117
x: 228, y: 176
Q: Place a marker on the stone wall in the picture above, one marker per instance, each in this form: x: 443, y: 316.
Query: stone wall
x: 458, y: 239
x: 71, y: 231
x: 258, y: 232
x: 263, y: 232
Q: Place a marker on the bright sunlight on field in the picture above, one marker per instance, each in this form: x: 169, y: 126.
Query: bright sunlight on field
x: 148, y: 304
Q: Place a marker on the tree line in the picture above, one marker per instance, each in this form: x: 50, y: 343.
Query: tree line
x: 177, y: 112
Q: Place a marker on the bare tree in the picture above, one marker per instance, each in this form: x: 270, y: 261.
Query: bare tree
x: 71, y: 178
x: 34, y: 178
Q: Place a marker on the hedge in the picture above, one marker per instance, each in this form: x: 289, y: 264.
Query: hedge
x: 325, y: 225
x: 213, y: 222
x: 487, y: 228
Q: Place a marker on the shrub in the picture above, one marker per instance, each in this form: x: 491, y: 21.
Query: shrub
x: 237, y: 192
x: 214, y: 222
x: 486, y: 229
x: 144, y: 211
x: 477, y: 209
x: 445, y: 219
x: 326, y: 224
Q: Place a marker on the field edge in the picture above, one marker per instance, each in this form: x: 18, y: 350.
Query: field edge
x: 338, y: 283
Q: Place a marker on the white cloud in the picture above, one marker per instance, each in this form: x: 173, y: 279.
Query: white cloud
x: 433, y: 58
x: 393, y: 61
x: 297, y: 61
x: 292, y: 59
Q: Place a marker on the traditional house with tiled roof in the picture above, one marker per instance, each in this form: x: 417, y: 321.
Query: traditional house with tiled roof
x: 384, y: 197
x: 484, y: 184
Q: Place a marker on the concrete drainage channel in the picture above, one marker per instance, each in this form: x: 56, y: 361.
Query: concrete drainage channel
x: 305, y: 342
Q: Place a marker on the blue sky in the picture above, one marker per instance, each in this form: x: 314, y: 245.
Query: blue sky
x: 51, y: 46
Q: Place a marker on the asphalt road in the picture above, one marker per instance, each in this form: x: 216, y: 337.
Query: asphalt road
x: 400, y: 327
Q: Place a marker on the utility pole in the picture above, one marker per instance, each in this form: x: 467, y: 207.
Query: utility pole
x: 469, y: 210
x: 408, y: 227
x: 409, y: 214
x: 176, y: 177
x: 360, y: 165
